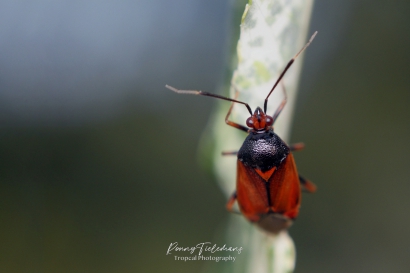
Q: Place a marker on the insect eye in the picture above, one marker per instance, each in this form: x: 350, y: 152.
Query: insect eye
x: 249, y: 122
x: 269, y: 121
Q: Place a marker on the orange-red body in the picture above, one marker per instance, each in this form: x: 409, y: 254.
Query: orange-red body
x: 268, y: 186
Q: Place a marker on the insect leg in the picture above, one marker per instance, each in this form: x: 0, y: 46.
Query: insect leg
x: 230, y: 153
x: 282, y: 104
x: 307, y: 186
x: 231, y: 202
x: 297, y: 147
x: 201, y: 93
x: 231, y: 123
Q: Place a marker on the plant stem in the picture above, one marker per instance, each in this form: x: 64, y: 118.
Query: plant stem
x: 272, y: 32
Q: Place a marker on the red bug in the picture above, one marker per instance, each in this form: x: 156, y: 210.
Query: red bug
x: 268, y: 186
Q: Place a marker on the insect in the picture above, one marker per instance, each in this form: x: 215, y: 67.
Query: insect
x: 268, y: 186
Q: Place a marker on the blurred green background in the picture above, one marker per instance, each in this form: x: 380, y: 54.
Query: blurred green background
x: 97, y: 158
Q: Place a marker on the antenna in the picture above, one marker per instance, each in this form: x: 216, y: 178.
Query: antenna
x: 265, y: 105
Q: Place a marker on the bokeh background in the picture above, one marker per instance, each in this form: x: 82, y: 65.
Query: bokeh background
x: 97, y: 158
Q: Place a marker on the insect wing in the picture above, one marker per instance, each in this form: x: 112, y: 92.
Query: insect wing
x: 284, y: 189
x: 251, y: 193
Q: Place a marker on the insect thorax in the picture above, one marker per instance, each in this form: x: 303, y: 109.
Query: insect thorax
x: 263, y: 150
